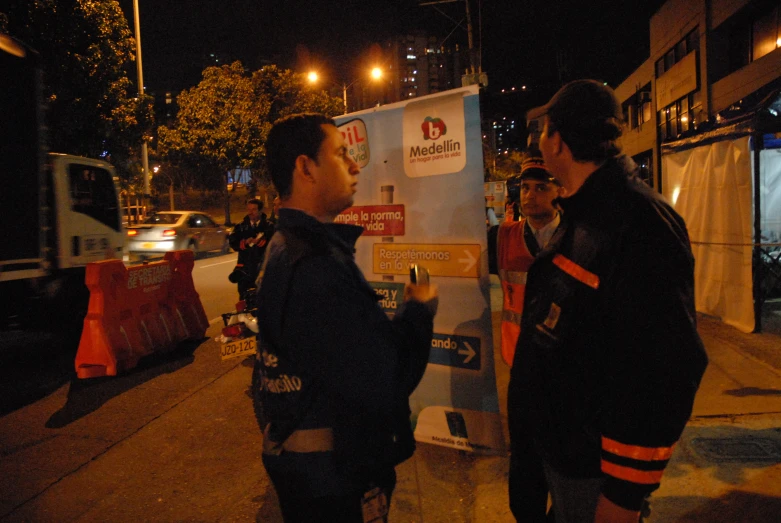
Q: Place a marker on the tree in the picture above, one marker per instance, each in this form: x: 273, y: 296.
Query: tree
x: 86, y: 50
x: 220, y: 125
x: 223, y: 122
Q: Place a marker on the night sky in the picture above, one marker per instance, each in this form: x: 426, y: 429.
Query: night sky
x: 520, y: 40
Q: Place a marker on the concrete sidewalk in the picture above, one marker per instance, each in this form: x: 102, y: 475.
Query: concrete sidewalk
x: 726, y: 468
x: 178, y: 441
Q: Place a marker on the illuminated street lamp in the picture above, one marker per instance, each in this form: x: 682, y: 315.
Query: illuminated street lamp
x: 144, y: 154
x: 313, y: 77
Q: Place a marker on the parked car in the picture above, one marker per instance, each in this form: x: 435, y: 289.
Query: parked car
x: 177, y: 230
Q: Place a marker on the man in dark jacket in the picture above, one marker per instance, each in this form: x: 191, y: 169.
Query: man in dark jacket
x: 608, y: 360
x: 249, y: 239
x: 336, y: 372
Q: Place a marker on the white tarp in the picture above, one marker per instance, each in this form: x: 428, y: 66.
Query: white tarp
x: 711, y: 187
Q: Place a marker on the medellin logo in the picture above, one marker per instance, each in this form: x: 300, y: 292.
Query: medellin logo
x: 433, y: 128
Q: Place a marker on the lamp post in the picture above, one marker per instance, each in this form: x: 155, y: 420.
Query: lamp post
x: 313, y: 77
x: 139, y: 67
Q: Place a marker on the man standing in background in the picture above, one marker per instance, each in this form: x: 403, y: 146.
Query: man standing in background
x: 518, y: 243
x: 249, y: 239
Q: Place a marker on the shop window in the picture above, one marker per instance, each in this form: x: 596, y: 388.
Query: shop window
x: 764, y: 34
x: 669, y: 59
x: 695, y: 103
x: 692, y: 41
x: 685, y: 121
x: 663, y: 117
x: 678, y: 51
x: 659, y: 67
x: 645, y: 110
x: 644, y: 161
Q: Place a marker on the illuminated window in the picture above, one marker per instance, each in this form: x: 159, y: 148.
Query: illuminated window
x: 765, y: 34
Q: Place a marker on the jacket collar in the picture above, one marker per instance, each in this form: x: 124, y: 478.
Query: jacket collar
x: 600, y: 187
x: 342, y: 234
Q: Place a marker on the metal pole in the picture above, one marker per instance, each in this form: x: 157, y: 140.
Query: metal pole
x: 139, y: 67
x: 757, y: 140
x: 344, y: 94
x: 469, y: 36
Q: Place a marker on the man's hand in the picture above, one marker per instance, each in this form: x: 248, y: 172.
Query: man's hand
x: 609, y: 512
x: 428, y: 295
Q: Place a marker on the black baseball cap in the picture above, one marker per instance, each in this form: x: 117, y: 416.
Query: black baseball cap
x: 582, y: 110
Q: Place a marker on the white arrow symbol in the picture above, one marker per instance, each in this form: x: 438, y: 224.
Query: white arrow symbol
x: 469, y: 350
x: 470, y: 261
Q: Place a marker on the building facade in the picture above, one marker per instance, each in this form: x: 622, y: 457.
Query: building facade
x: 415, y: 65
x: 704, y: 116
x: 706, y: 56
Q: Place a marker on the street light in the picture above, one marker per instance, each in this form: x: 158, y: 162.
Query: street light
x: 313, y: 77
x: 144, y: 155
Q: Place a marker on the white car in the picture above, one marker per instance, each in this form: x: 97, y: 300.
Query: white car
x: 168, y: 231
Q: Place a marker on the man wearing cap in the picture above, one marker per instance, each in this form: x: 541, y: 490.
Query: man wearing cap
x: 518, y: 243
x: 608, y: 359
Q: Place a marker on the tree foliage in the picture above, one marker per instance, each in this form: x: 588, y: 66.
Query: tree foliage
x: 223, y: 122
x: 86, y: 50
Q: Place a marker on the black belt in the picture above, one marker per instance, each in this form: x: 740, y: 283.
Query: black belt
x: 303, y: 440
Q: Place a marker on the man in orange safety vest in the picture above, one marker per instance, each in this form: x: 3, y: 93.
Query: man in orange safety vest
x: 519, y: 242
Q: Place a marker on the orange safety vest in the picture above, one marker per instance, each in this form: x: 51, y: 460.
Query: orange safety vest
x: 513, y: 261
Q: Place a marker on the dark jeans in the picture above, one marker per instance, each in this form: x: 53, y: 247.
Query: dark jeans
x: 528, y: 488
x: 310, y: 490
x: 574, y: 499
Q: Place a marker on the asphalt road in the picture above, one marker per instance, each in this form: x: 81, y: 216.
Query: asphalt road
x: 169, y: 440
x: 175, y: 440
x: 34, y: 364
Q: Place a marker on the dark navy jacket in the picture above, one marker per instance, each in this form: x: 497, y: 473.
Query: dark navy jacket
x: 609, y: 358
x: 332, y: 356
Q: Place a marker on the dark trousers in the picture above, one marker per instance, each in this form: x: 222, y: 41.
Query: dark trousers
x: 246, y: 284
x: 528, y: 487
x: 309, y: 488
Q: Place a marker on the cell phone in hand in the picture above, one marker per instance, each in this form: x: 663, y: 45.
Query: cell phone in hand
x: 418, y: 275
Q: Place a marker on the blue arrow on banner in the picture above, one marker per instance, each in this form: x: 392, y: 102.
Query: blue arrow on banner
x: 462, y: 352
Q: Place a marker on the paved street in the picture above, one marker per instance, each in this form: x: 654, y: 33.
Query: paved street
x: 175, y: 440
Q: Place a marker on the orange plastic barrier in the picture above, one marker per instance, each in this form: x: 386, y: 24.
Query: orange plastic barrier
x: 135, y: 311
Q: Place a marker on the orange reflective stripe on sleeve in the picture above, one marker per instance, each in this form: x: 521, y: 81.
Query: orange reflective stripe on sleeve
x: 643, y: 477
x: 576, y: 271
x: 636, y: 451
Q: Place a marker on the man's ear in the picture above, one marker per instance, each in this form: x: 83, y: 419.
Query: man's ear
x: 303, y: 166
x: 556, y: 142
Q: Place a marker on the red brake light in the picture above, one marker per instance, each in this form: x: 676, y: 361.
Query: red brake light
x: 169, y: 232
x: 233, y: 331
x: 132, y: 232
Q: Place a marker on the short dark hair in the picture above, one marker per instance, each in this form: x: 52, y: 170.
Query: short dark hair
x: 257, y: 202
x: 289, y: 138
x: 587, y: 115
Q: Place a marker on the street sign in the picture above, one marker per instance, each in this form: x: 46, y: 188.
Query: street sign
x: 462, y: 352
x: 460, y: 261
